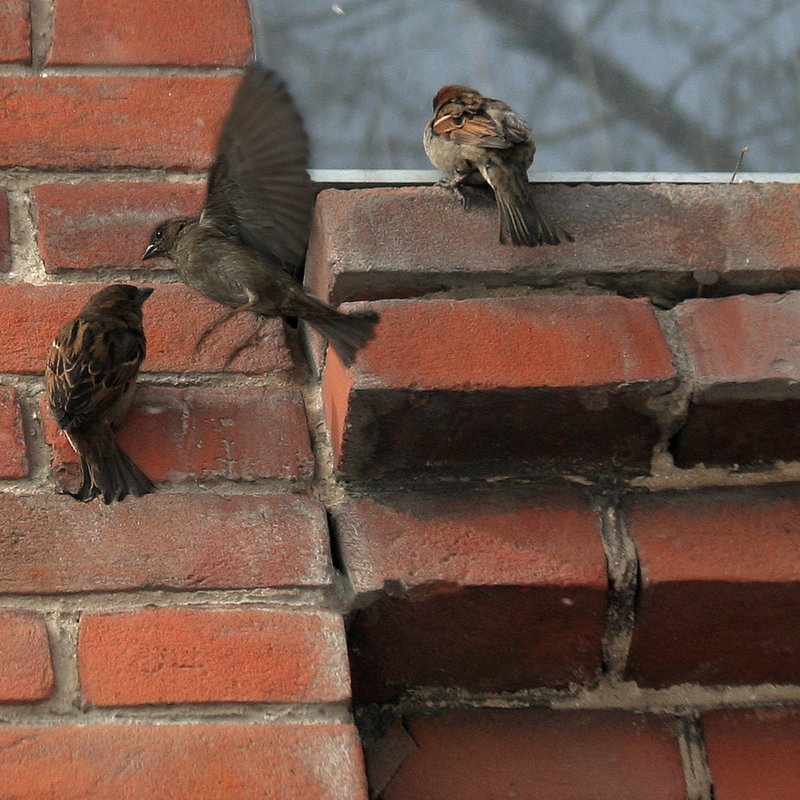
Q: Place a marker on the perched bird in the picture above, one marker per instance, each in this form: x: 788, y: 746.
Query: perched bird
x: 90, y: 378
x: 246, y: 249
x: 480, y: 140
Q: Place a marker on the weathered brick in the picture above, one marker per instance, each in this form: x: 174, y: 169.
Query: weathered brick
x: 655, y: 240
x: 107, y: 224
x: 174, y: 317
x: 183, y: 32
x: 442, y: 388
x: 719, y: 601
x: 490, y: 591
x: 549, y: 755
x: 13, y: 452
x: 181, y: 762
x: 5, y: 234
x: 745, y: 356
x: 26, y: 671
x: 15, y: 43
x: 179, y: 434
x: 51, y: 544
x: 201, y: 655
x: 96, y: 122
x: 753, y: 755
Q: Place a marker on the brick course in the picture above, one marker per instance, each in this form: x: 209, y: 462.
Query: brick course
x: 441, y: 387
x: 15, y: 45
x: 217, y: 761
x: 705, y: 557
x: 754, y: 755
x: 209, y: 32
x: 26, y: 671
x: 212, y: 655
x: 489, y: 754
x: 179, y: 434
x: 484, y: 591
x: 51, y: 544
x: 106, y: 224
x: 93, y: 122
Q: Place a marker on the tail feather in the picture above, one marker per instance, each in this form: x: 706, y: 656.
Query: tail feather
x: 107, y: 470
x: 347, y: 333
x: 523, y: 224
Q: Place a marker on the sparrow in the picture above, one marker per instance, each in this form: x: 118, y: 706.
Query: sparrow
x: 481, y: 140
x: 246, y: 249
x: 90, y: 379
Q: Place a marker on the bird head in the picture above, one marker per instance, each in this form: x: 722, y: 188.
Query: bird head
x: 164, y: 237
x: 117, y: 300
x: 449, y: 93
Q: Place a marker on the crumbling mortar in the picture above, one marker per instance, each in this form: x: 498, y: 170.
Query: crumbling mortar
x: 694, y: 758
x: 623, y: 587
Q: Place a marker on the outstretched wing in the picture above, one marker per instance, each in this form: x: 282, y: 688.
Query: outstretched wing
x: 259, y: 188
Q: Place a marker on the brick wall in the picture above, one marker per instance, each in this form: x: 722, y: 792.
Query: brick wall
x: 543, y: 540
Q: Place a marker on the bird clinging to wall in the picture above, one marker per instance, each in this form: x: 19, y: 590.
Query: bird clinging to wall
x: 90, y: 379
x: 477, y: 139
x: 247, y: 247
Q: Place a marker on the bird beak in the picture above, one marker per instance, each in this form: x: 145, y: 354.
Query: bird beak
x: 150, y: 252
x: 144, y: 293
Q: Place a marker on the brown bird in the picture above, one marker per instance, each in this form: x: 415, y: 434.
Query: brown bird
x: 90, y: 378
x: 246, y: 249
x: 477, y: 139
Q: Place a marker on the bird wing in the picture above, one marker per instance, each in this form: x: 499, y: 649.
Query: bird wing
x: 259, y: 188
x: 467, y: 123
x: 89, y: 368
x: 481, y: 122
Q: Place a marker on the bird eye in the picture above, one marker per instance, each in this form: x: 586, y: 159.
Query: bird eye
x: 158, y: 234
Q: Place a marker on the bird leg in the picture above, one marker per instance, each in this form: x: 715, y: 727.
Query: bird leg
x: 249, y: 341
x: 455, y: 185
x: 252, y: 300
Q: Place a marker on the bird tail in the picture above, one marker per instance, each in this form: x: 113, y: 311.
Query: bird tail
x: 106, y: 469
x: 522, y: 222
x: 346, y: 333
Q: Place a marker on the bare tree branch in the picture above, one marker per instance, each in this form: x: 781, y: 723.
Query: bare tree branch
x: 545, y: 34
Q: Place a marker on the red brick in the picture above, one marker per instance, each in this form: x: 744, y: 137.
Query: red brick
x: 13, y: 453
x: 181, y: 762
x: 185, y: 32
x: 745, y: 358
x: 107, y: 224
x: 549, y: 755
x: 174, y: 317
x: 754, y: 755
x: 15, y: 43
x: 178, y: 434
x: 440, y: 387
x: 635, y: 239
x: 96, y: 122
x: 489, y: 591
x: 26, y: 672
x: 5, y: 234
x: 719, y: 601
x: 51, y: 544
x: 199, y: 655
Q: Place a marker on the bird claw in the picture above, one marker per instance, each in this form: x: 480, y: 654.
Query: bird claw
x: 455, y: 186
x: 209, y: 329
x: 250, y: 341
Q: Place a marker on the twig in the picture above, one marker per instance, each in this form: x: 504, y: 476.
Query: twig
x: 738, y: 163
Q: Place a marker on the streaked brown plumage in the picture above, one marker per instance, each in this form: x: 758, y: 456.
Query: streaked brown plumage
x: 476, y: 139
x: 246, y: 249
x: 90, y: 379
